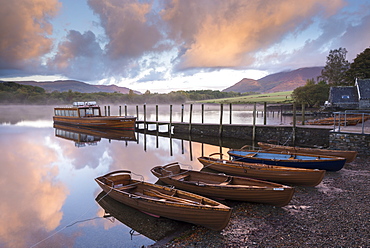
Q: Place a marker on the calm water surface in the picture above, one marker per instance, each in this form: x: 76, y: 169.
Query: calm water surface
x: 48, y: 189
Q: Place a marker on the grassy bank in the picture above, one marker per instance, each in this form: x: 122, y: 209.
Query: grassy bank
x: 276, y: 97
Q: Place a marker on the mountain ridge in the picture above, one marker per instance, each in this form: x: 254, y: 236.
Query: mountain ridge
x: 78, y: 86
x: 281, y: 81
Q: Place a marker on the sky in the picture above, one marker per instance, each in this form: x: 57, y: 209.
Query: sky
x: 169, y: 45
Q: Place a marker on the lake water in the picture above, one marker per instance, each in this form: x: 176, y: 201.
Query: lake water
x: 49, y: 196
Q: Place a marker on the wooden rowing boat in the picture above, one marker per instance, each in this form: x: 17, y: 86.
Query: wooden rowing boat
x: 348, y: 155
x: 280, y: 174
x: 150, y: 226
x: 88, y: 114
x: 290, y: 159
x: 164, y: 201
x: 349, y: 120
x: 224, y: 186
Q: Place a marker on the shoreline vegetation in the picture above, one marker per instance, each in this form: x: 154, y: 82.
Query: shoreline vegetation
x: 13, y: 93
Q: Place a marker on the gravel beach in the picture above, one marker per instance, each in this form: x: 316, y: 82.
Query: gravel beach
x: 336, y: 213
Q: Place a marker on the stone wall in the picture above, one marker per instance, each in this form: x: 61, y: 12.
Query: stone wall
x: 350, y: 141
x: 302, y: 136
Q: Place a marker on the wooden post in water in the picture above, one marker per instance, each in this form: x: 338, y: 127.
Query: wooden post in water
x: 254, y: 123
x: 125, y: 110
x: 182, y: 112
x: 190, y: 116
x: 265, y: 113
x: 202, y: 113
x: 230, y: 107
x: 144, y: 106
x: 137, y: 112
x: 281, y: 113
x: 221, y: 115
x: 156, y: 118
x: 170, y: 125
x: 303, y: 113
x: 294, y: 121
x: 108, y: 110
x: 105, y: 110
x: 120, y: 110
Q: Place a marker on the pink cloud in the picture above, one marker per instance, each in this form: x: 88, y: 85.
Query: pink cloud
x: 25, y: 28
x: 229, y: 33
x: 31, y: 197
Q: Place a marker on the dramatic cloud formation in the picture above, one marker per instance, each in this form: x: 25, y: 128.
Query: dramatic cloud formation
x: 158, y: 42
x: 25, y: 27
x: 228, y: 33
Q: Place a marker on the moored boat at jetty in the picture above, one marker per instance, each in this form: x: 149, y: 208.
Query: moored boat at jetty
x: 88, y: 114
x: 280, y: 174
x: 290, y: 159
x: 224, y: 186
x: 348, y: 155
x: 165, y: 201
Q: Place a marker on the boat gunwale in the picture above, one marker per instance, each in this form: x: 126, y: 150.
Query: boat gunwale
x: 318, y: 159
x: 143, y: 197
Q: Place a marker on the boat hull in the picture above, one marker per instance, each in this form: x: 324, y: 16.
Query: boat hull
x: 214, y: 216
x: 297, y: 160
x: 348, y: 155
x: 226, y: 187
x: 111, y: 122
x: 280, y: 174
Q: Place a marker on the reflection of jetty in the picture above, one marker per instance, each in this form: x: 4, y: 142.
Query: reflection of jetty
x: 90, y: 136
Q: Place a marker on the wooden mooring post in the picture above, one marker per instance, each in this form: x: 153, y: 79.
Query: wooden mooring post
x: 221, y: 115
x: 137, y: 111
x: 294, y: 121
x: 170, y: 125
x: 230, y: 115
x: 125, y: 110
x: 303, y: 113
x: 264, y: 113
x: 182, y: 112
x: 202, y: 113
x: 156, y: 118
x: 254, y: 123
x: 145, y: 125
x: 190, y: 116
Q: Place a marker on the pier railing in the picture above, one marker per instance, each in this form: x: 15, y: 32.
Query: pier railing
x: 351, y: 120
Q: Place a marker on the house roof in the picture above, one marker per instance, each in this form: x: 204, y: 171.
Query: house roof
x: 363, y: 88
x: 343, y: 94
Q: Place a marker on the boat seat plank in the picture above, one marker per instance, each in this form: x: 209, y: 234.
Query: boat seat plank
x: 155, y: 193
x: 126, y: 187
x: 181, y: 177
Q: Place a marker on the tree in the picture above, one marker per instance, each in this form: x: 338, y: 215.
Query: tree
x: 360, y: 68
x: 312, y: 94
x: 334, y: 72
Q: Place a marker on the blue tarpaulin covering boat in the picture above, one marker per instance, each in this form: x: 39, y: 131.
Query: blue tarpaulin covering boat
x: 289, y: 159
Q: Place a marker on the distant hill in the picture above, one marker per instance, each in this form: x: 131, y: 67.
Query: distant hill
x: 282, y: 81
x: 77, y: 86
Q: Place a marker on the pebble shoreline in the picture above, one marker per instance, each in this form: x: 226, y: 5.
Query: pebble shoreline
x: 336, y: 213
